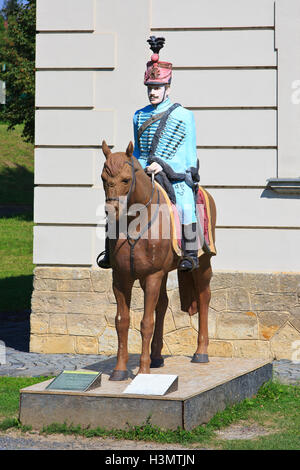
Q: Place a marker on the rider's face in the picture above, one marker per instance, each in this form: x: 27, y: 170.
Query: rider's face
x: 157, y: 93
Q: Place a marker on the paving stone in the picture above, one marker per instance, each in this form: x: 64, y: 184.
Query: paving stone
x: 286, y: 371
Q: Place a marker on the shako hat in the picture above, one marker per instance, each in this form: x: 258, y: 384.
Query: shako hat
x: 157, y: 73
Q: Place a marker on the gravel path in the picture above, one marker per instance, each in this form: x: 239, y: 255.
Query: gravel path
x: 26, y: 364
x: 14, y: 440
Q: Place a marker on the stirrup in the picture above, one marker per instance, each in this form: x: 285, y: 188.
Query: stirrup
x: 103, y: 263
x: 188, y: 263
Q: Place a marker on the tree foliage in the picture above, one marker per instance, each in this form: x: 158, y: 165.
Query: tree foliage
x: 10, y: 7
x: 18, y: 53
x: 2, y: 34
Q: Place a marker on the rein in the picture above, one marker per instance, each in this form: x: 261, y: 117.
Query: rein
x: 133, y: 241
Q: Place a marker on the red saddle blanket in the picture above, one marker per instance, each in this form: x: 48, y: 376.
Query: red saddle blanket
x: 204, y: 217
x: 187, y: 280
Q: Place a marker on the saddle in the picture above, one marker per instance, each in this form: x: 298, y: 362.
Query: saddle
x: 203, y: 216
x: 186, y: 286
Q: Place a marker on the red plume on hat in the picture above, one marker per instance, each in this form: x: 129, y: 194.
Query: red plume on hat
x: 157, y: 73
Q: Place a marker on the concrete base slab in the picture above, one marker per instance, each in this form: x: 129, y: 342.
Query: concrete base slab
x: 203, y: 390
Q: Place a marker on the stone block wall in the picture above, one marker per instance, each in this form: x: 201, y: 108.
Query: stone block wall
x: 251, y: 314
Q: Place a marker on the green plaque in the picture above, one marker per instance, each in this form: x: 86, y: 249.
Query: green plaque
x: 76, y: 380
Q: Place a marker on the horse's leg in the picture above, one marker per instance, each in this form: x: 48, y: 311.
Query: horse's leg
x: 122, y: 290
x: 202, y: 277
x: 151, y: 287
x: 157, y: 340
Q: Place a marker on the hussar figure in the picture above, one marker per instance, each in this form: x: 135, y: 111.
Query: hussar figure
x: 165, y: 149
x: 165, y: 142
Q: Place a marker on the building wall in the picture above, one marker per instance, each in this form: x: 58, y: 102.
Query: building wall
x: 250, y: 315
x: 234, y: 69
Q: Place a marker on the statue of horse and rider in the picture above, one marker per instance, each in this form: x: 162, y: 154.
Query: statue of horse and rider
x: 158, y: 179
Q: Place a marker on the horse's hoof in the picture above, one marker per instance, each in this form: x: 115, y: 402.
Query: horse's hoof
x: 200, y: 358
x: 119, y: 375
x: 155, y: 363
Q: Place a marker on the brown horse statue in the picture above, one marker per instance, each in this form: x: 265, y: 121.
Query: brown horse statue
x: 148, y: 258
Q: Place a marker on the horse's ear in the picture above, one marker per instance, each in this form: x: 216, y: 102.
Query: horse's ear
x: 129, y: 150
x: 105, y: 149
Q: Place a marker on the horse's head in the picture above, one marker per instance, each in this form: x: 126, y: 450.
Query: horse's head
x: 118, y: 177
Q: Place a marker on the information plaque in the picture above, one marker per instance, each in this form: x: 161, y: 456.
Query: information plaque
x: 76, y: 380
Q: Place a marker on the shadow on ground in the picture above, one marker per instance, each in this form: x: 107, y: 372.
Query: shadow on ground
x: 15, y: 333
x: 10, y: 211
x: 108, y: 365
x: 15, y: 293
x: 15, y: 323
x: 16, y: 185
x: 16, y: 200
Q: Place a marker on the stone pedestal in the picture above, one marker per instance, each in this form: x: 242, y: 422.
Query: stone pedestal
x: 203, y: 390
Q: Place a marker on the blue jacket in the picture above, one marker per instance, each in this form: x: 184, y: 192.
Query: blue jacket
x: 177, y: 147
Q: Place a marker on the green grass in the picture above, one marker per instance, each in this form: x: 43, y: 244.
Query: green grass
x: 9, y: 395
x: 276, y: 407
x: 16, y: 239
x: 145, y: 432
x: 278, y: 441
x: 16, y: 167
x: 9, y: 400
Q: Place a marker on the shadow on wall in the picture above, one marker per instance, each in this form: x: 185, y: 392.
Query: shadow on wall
x: 270, y: 194
x: 16, y: 185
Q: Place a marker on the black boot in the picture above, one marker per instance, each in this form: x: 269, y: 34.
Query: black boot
x: 103, y: 259
x: 189, y: 261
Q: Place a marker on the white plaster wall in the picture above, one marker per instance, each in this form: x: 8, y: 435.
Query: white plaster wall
x: 235, y: 127
x: 90, y: 65
x: 55, y: 127
x: 225, y: 87
x: 238, y: 167
x: 64, y: 89
x: 211, y: 14
x: 63, y: 245
x: 65, y: 15
x: 75, y: 50
x: 230, y: 48
x: 263, y: 250
x: 77, y: 166
x: 287, y: 42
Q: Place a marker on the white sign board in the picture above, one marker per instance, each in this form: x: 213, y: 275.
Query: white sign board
x: 152, y: 384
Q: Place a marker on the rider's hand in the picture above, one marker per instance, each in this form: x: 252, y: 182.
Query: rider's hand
x: 154, y: 168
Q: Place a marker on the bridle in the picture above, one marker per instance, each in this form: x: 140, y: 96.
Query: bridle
x: 131, y: 240
x: 133, y: 184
